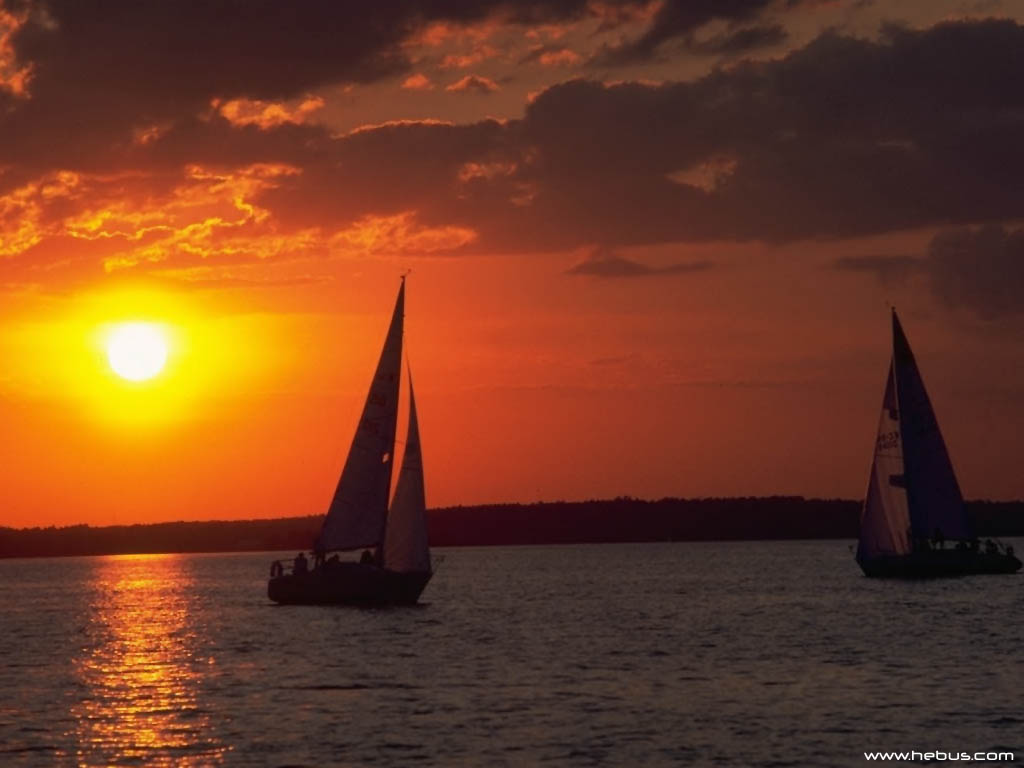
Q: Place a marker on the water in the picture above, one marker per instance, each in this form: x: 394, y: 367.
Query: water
x: 737, y: 654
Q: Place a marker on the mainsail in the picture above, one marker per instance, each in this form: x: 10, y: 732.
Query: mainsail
x: 356, y: 516
x: 885, y: 518
x: 936, y: 505
x: 405, y: 542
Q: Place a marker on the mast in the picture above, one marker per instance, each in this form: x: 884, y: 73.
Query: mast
x: 356, y: 515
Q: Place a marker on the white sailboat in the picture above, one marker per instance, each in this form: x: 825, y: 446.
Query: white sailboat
x: 913, y: 507
x: 395, y: 565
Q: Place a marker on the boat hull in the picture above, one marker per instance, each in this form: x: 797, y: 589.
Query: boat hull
x: 348, y: 584
x: 938, y: 563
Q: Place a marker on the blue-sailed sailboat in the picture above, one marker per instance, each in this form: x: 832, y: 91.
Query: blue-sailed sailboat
x: 914, y: 523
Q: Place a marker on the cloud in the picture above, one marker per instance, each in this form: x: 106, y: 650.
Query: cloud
x: 979, y: 269
x: 842, y: 137
x: 606, y: 264
x: 681, y: 20
x: 888, y: 269
x: 466, y: 60
x: 552, y: 56
x: 96, y: 74
x: 267, y: 114
x: 417, y: 82
x: 741, y: 40
x: 474, y: 83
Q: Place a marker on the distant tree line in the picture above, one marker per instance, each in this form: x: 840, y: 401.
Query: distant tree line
x: 622, y: 519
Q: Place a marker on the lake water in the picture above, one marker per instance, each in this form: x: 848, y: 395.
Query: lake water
x: 731, y: 654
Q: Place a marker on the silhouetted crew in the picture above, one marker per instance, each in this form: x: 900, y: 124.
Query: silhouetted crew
x: 301, y: 565
x: 366, y: 558
x: 940, y: 539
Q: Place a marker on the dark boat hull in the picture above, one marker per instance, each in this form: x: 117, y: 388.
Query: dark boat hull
x: 939, y: 563
x: 348, y: 584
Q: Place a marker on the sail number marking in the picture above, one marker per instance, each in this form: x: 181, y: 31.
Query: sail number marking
x: 888, y: 441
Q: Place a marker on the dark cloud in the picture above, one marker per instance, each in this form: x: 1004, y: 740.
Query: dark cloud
x: 607, y: 264
x: 979, y: 269
x: 843, y: 137
x: 101, y: 70
x: 741, y: 40
x: 680, y: 20
x: 888, y: 269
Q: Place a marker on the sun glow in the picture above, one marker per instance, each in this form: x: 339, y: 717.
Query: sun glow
x: 140, y: 358
x: 137, y: 351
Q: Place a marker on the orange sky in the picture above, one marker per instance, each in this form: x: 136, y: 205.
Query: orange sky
x: 652, y: 247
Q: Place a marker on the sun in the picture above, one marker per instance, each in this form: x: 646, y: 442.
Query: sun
x: 137, y: 351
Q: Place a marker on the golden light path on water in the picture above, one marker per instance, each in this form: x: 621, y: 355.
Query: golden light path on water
x: 142, y: 668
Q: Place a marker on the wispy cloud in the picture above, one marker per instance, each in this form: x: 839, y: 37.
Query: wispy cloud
x: 474, y: 83
x: 888, y: 269
x: 606, y: 264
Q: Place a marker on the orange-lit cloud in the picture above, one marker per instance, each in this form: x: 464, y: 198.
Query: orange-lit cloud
x: 266, y: 114
x: 552, y: 56
x: 548, y: 32
x: 24, y: 219
x: 563, y: 57
x: 14, y: 76
x: 488, y: 171
x: 466, y: 60
x: 437, y: 33
x: 386, y: 235
x: 417, y: 82
x: 474, y: 83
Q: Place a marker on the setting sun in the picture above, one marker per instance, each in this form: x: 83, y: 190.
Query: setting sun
x: 137, y: 351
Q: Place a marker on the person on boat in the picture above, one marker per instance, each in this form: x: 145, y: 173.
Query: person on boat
x: 366, y: 558
x: 990, y: 547
x: 940, y: 539
x: 301, y: 564
x: 332, y: 561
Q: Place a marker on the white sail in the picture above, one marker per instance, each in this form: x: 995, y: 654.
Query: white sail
x: 935, y: 502
x: 356, y: 516
x: 885, y: 518
x: 405, y: 543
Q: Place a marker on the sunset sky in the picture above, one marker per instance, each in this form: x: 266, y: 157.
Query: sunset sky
x: 653, y: 245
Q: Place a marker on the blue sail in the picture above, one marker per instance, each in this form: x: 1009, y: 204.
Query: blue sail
x: 933, y: 494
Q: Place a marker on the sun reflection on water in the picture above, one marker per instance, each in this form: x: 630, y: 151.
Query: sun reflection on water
x: 141, y: 665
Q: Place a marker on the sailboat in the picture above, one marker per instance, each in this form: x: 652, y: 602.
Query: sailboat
x: 914, y: 523
x: 395, y: 564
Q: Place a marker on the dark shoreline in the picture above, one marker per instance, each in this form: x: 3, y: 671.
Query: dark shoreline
x: 622, y: 519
